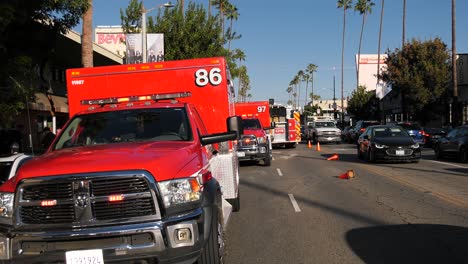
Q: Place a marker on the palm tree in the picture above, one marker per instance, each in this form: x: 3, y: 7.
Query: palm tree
x: 380, y: 38
x: 300, y: 78
x: 311, y: 68
x: 289, y: 90
x: 240, y: 56
x: 87, y: 37
x: 221, y: 5
x: 231, y: 14
x: 345, y: 4
x: 364, y: 7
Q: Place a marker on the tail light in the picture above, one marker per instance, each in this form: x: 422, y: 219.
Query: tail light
x: 421, y: 132
x: 362, y: 129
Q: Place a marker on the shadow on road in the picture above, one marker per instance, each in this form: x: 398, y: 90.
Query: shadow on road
x: 412, y: 243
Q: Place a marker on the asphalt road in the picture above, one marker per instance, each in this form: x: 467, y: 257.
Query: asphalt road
x: 299, y: 211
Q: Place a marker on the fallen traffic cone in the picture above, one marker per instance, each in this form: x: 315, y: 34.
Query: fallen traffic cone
x: 317, y: 148
x: 333, y: 157
x: 309, y: 144
x: 349, y: 174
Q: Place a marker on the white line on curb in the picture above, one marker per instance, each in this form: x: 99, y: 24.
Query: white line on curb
x: 279, y: 172
x: 294, y: 203
x: 446, y: 163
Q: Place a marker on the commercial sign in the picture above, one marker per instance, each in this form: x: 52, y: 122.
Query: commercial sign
x: 368, y: 73
x: 112, y: 38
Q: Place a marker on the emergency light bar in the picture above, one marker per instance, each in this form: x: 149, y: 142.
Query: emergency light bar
x: 155, y: 97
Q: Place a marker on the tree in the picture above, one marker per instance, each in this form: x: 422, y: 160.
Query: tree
x: 23, y: 21
x: 403, y: 32
x: 364, y: 7
x: 362, y: 104
x: 420, y: 72
x: 311, y: 68
x: 345, y: 4
x: 300, y: 79
x: 231, y: 14
x: 131, y: 17
x: 87, y: 37
x: 456, y: 118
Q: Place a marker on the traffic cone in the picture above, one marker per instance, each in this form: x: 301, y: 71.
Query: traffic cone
x: 349, y: 174
x: 317, y: 148
x: 309, y: 144
x: 333, y: 157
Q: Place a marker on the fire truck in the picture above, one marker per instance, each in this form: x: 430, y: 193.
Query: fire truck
x: 286, y: 132
x: 255, y: 142
x: 144, y: 170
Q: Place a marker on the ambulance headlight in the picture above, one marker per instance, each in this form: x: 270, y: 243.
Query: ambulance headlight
x: 6, y: 204
x: 180, y: 193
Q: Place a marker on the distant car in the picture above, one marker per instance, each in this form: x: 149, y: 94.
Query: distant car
x: 360, y: 126
x: 455, y: 143
x: 432, y: 134
x: 9, y: 165
x: 345, y: 136
x: 414, y: 130
x: 387, y: 143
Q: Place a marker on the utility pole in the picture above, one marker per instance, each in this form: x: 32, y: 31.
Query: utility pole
x: 455, y: 104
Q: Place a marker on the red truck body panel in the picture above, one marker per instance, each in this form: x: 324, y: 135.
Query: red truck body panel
x: 259, y: 109
x: 163, y: 77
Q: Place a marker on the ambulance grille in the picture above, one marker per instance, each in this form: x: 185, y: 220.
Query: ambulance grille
x: 86, y: 201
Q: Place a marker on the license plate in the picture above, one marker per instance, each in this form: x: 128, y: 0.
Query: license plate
x: 92, y: 256
x: 400, y: 152
x: 240, y: 154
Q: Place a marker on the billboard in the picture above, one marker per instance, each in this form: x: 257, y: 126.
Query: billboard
x: 154, y: 44
x: 112, y: 38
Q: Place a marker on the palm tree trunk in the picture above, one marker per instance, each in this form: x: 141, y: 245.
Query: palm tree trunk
x: 455, y: 106
x: 359, y: 49
x: 342, y: 63
x: 403, y: 37
x: 229, y: 42
x: 380, y: 39
x: 87, y: 37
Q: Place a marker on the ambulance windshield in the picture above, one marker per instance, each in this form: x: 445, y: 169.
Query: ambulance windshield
x: 156, y: 124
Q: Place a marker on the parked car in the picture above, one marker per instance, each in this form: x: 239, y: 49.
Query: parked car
x: 387, y: 143
x: 414, y: 130
x: 432, y: 134
x: 455, y: 143
x: 9, y: 165
x: 360, y: 127
x: 345, y: 134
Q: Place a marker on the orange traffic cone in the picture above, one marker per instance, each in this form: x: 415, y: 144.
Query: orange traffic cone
x: 333, y: 157
x: 349, y: 174
x: 309, y: 144
x: 317, y: 148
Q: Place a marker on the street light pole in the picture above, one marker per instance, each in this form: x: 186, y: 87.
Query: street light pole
x: 144, y: 11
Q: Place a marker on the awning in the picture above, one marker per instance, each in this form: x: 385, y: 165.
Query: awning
x: 42, y: 103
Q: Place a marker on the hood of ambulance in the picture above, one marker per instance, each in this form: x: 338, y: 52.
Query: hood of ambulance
x: 164, y: 160
x: 255, y: 132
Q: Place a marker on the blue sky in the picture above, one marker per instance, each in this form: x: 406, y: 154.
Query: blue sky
x: 282, y: 37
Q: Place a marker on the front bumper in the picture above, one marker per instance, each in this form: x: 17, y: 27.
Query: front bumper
x: 390, y: 155
x: 329, y: 138
x: 119, y: 244
x: 257, y: 152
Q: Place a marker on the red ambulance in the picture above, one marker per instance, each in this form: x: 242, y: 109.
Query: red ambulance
x: 144, y: 170
x: 255, y: 143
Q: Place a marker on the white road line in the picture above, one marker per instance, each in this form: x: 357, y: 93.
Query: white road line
x: 279, y: 172
x: 294, y: 203
x: 446, y: 163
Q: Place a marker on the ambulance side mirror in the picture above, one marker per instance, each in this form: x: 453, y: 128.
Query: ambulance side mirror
x: 234, y: 124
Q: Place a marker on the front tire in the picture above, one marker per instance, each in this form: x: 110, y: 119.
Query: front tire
x: 463, y: 155
x: 213, y: 251
x: 437, y: 152
x: 371, y: 156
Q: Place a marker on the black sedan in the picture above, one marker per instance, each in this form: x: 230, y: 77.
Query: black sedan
x: 454, y: 144
x: 387, y: 143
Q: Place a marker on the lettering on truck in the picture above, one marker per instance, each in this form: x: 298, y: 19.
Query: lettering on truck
x: 144, y: 170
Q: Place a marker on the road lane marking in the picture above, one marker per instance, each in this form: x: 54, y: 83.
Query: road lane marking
x: 294, y: 203
x: 279, y: 172
x: 446, y: 163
